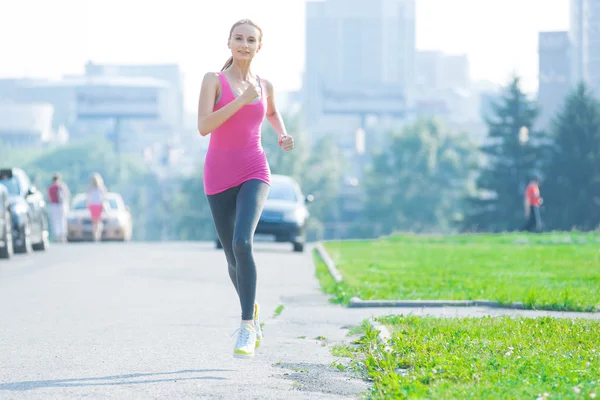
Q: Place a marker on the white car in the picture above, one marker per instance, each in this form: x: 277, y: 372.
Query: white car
x: 116, y: 219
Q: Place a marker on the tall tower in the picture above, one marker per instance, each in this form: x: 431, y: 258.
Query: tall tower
x: 355, y: 47
x: 584, y: 36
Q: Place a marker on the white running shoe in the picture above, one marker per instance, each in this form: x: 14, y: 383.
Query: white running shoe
x: 246, y: 341
x: 259, y: 333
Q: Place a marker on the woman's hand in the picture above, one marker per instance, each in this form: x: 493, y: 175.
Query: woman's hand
x: 286, y: 142
x: 251, y: 93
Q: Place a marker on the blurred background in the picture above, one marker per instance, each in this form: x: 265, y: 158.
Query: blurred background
x: 428, y: 116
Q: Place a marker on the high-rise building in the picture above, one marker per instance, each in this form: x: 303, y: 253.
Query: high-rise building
x: 584, y: 35
x: 360, y: 57
x: 438, y: 71
x: 554, y: 74
x: 169, y: 73
x: 576, y: 40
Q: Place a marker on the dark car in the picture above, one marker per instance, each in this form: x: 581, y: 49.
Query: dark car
x: 27, y: 210
x: 6, y: 245
x: 285, y: 213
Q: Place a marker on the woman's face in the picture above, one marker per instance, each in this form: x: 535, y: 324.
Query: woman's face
x: 244, y: 42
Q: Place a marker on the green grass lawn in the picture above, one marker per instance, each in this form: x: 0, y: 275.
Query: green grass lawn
x: 546, y: 271
x: 480, y: 358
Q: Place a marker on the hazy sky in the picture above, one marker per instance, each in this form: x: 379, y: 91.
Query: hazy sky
x: 49, y: 38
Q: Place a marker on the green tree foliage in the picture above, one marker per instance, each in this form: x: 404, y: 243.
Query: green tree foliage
x: 417, y: 183
x: 191, y: 210
x: 125, y: 174
x: 571, y: 188
x: 508, y: 165
x: 316, y: 166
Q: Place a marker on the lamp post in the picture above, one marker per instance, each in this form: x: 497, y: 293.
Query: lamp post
x: 523, y: 135
x: 523, y: 140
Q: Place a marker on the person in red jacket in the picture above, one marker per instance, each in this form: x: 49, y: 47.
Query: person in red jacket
x: 58, y: 196
x: 533, y: 201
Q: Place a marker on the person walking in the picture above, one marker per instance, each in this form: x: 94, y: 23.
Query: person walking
x: 532, y: 203
x: 232, y: 106
x: 58, y: 197
x: 96, y: 194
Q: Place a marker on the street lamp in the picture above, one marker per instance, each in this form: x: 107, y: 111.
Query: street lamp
x: 360, y: 141
x: 523, y: 135
x: 523, y: 139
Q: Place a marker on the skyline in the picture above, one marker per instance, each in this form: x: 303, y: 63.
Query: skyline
x: 54, y: 42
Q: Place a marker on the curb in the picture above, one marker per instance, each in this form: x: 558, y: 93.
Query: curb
x: 355, y: 302
x: 335, y: 273
x: 384, y: 334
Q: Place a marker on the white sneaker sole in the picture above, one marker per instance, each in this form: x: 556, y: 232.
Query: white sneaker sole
x: 243, y: 356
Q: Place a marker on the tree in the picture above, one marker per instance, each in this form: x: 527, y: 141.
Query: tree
x: 322, y: 177
x: 571, y: 190
x: 417, y: 183
x: 317, y: 167
x: 513, y: 153
x: 191, y: 210
x: 124, y: 174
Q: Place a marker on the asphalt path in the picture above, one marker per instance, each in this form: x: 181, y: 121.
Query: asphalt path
x: 154, y: 321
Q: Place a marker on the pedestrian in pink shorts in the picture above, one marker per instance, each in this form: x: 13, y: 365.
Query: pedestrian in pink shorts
x: 95, y: 201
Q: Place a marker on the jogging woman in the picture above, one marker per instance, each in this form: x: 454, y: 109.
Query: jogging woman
x: 233, y: 104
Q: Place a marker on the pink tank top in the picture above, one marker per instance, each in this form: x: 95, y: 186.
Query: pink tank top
x: 235, y: 153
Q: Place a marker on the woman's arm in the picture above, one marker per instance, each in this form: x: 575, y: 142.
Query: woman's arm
x: 273, y: 115
x: 285, y: 141
x: 209, y: 120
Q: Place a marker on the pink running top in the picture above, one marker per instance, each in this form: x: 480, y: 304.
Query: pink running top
x: 235, y: 153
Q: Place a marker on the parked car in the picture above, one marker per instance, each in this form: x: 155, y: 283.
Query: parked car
x: 116, y: 219
x: 284, y: 215
x: 6, y: 244
x: 28, y: 211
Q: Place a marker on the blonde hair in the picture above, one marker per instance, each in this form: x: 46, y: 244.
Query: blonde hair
x: 96, y: 181
x: 229, y: 61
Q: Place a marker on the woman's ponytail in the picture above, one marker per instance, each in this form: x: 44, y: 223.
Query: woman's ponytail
x: 228, y: 64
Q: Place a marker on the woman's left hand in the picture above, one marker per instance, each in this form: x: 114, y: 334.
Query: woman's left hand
x: 286, y: 142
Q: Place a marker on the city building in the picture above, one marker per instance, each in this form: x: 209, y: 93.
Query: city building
x: 26, y: 125
x: 169, y: 73
x: 584, y: 35
x: 554, y: 80
x: 360, y: 62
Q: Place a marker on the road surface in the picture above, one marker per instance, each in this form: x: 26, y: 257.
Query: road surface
x: 150, y: 321
x: 153, y: 321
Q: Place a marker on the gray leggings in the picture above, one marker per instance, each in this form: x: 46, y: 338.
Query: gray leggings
x: 236, y: 212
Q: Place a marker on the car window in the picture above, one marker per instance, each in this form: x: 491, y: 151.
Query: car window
x: 25, y: 183
x: 80, y: 204
x: 113, y: 204
x: 282, y: 191
x: 12, y: 184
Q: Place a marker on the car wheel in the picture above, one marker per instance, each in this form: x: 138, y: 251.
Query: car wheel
x: 299, y: 247
x: 7, y: 251
x: 26, y: 247
x: 44, y: 244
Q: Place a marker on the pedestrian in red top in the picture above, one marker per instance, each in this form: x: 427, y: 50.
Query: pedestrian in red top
x: 58, y: 196
x: 533, y: 201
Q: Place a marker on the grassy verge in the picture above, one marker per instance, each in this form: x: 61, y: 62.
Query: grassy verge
x: 492, y: 358
x: 548, y: 271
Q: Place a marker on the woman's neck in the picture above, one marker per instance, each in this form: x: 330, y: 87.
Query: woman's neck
x: 241, y: 70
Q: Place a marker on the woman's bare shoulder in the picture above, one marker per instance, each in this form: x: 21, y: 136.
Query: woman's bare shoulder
x: 211, y: 77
